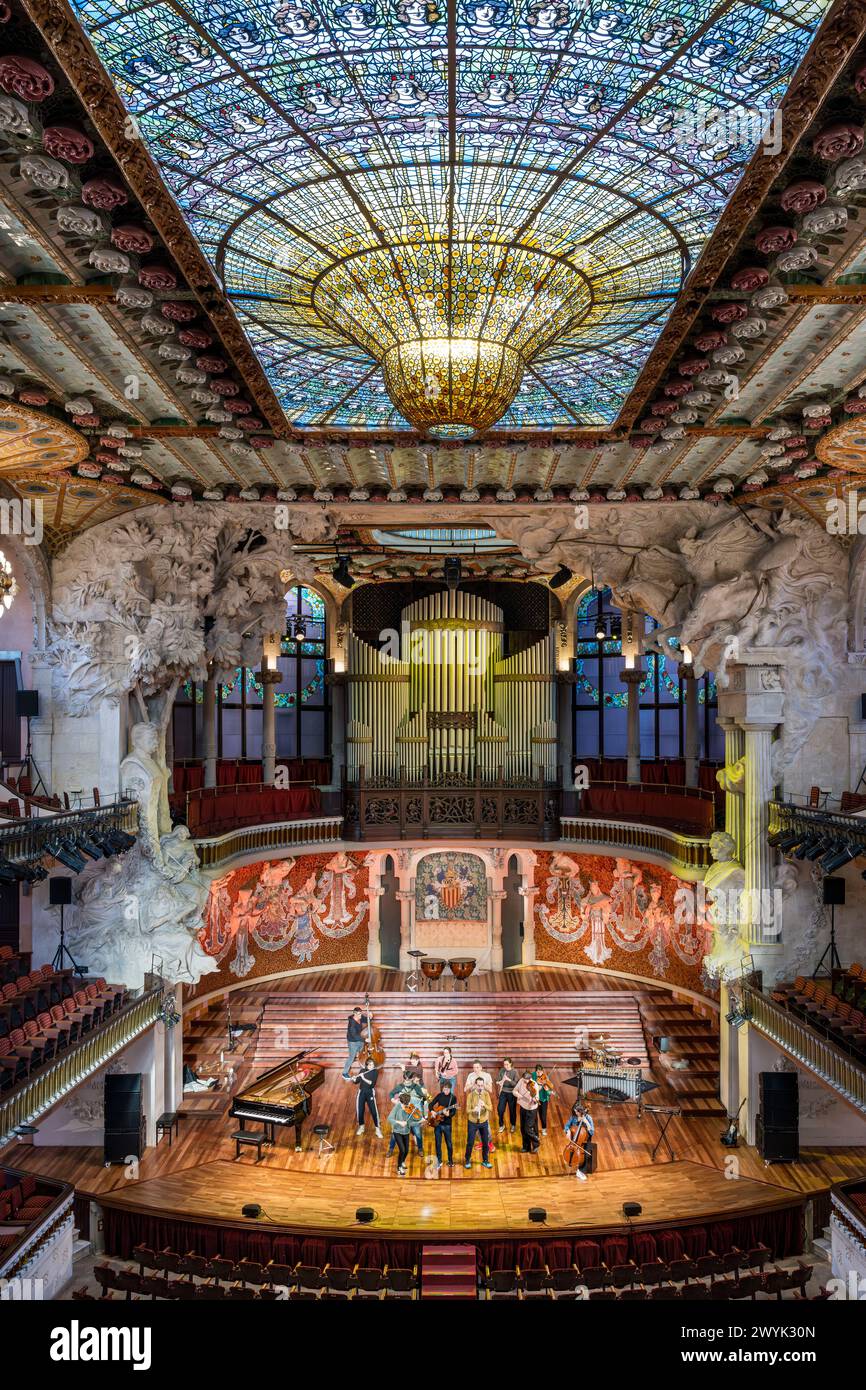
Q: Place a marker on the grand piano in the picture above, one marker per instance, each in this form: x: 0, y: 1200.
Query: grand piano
x: 280, y: 1096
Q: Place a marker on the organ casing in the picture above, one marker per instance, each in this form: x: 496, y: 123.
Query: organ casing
x: 449, y: 702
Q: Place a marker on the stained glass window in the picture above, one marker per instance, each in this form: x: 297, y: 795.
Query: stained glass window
x: 301, y: 700
x: 600, y: 700
x: 533, y: 178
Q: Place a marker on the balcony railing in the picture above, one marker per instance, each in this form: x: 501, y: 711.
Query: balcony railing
x: 254, y: 839
x: 29, y: 839
x: 690, y: 853
x: 844, y: 1074
x: 18, y: 1259
x: 406, y: 808
x: 51, y: 1082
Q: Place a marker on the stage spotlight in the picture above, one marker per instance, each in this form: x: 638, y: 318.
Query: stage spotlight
x: 119, y: 841
x: 838, y: 858
x: 342, y: 573
x: 787, y: 841
x: 64, y: 852
x: 452, y: 572
x: 812, y: 842
x: 818, y: 848
x: 87, y: 846
x: 562, y: 576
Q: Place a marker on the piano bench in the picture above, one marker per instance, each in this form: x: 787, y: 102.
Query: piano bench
x: 167, y: 1123
x: 258, y: 1137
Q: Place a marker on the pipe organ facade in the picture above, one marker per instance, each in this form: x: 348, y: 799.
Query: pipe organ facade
x: 450, y: 704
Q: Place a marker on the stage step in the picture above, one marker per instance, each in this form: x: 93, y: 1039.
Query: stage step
x: 449, y: 1271
x: 525, y: 1027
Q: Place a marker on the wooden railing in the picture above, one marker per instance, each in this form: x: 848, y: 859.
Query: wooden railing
x: 400, y: 808
x: 18, y: 1259
x: 844, y: 1074
x: 252, y: 839
x: 690, y: 853
x: 69, y: 1068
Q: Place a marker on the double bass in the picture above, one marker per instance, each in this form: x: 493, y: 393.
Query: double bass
x: 372, y: 1053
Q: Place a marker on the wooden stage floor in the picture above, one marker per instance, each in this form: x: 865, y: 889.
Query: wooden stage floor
x: 198, y: 1177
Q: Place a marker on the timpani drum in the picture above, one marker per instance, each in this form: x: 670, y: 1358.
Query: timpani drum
x: 432, y: 970
x: 461, y: 970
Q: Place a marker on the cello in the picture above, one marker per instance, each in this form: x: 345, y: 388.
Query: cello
x: 372, y: 1053
x: 575, y: 1150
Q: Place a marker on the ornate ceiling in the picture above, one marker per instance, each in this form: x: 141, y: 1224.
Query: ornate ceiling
x: 731, y: 386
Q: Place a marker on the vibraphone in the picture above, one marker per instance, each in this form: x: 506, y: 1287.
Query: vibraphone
x: 613, y: 1083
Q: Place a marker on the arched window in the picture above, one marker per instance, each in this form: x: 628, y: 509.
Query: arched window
x: 301, y: 699
x: 600, y: 704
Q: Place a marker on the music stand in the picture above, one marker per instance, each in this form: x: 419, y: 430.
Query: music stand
x: 662, y: 1139
x: 413, y: 979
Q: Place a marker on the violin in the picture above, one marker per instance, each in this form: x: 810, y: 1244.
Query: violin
x: 413, y: 1111
x: 372, y: 1053
x: 545, y: 1082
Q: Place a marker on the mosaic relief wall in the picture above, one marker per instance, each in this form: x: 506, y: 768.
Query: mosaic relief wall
x: 285, y: 915
x: 451, y: 887
x: 620, y: 915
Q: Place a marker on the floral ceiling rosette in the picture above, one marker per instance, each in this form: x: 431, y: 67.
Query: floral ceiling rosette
x: 449, y: 214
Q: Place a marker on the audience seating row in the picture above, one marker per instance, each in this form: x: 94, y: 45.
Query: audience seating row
x: 819, y: 1006
x: 40, y: 1038
x: 13, y: 964
x: 737, y: 1274
x: 169, y: 1274
x: 28, y: 995
x: 217, y: 809
x: 850, y: 985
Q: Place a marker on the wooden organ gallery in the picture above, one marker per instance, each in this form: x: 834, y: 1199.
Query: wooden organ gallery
x: 433, y: 669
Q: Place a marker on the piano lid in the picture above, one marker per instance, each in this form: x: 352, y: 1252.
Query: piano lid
x: 282, y: 1080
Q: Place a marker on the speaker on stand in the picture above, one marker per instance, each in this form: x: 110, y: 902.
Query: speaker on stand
x: 27, y: 707
x: 833, y: 897
x: 777, y: 1129
x: 60, y: 895
x: 124, y: 1118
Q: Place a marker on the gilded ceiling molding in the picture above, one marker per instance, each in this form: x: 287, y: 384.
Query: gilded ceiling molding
x: 31, y: 441
x: 832, y: 48
x: 73, y: 53
x: 844, y: 447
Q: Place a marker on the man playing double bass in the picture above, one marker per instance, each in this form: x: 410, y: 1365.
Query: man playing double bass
x: 355, y: 1037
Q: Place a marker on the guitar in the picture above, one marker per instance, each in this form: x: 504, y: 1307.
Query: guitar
x: 438, y: 1114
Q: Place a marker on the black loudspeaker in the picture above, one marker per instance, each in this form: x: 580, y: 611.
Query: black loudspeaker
x: 59, y: 891
x: 777, y: 1145
x: 834, y: 892
x: 779, y: 1099
x: 123, y: 1101
x: 251, y: 1210
x: 631, y: 1208
x: 120, y: 1144
x: 27, y: 704
x: 365, y: 1215
x: 537, y: 1214
x: 863, y: 706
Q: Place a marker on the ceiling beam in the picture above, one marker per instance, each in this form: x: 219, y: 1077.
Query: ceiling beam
x: 826, y: 294
x: 56, y: 294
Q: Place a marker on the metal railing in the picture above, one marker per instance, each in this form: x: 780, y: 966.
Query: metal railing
x: 250, y: 839
x: 690, y: 852
x: 844, y: 1074
x: 809, y: 820
x: 28, y: 838
x: 31, y: 1098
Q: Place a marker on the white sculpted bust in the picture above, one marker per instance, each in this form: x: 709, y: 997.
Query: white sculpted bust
x: 144, y: 776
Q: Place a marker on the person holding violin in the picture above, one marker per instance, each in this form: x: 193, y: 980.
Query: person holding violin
x: 526, y: 1095
x: 545, y: 1091
x: 417, y: 1092
x: 355, y: 1038
x: 579, y: 1129
x: 366, y: 1082
x: 443, y: 1108
x: 446, y: 1069
x: 479, y: 1108
x: 508, y: 1078
x: 399, y: 1120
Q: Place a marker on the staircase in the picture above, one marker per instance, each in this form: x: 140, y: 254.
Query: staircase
x: 205, y: 1049
x: 448, y: 1271
x: 692, y: 1040
x: 526, y: 1027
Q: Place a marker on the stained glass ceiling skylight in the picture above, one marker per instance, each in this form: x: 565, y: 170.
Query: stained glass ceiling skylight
x: 446, y: 214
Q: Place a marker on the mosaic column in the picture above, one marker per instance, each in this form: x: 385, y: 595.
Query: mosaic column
x: 632, y: 677
x: 209, y: 729
x: 692, y: 740
x: 735, y: 802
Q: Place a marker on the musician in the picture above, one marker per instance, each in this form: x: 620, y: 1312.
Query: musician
x: 479, y: 1108
x: 446, y: 1100
x: 419, y: 1096
x: 580, y: 1120
x: 399, y: 1121
x: 542, y: 1081
x: 526, y: 1095
x: 446, y: 1069
x: 476, y: 1072
x: 414, y: 1068
x: 366, y: 1100
x: 355, y: 1038
x: 508, y: 1078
